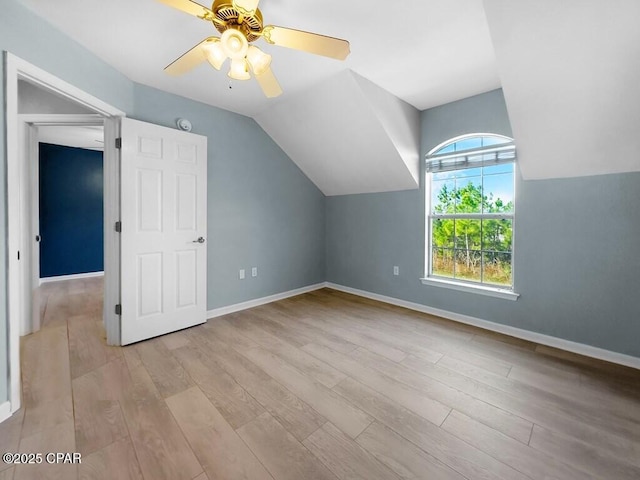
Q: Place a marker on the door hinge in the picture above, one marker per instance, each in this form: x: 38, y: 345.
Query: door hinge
x: 119, y: 142
x: 118, y: 227
x: 118, y: 309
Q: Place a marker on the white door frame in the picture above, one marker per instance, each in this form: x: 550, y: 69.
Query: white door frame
x: 18, y: 69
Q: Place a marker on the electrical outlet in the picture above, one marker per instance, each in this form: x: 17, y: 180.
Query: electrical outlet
x: 241, y: 274
x: 396, y: 270
x: 254, y: 271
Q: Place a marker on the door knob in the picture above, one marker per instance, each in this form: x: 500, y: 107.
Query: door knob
x: 199, y: 240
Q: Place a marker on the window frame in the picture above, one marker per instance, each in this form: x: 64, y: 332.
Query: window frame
x: 493, y: 290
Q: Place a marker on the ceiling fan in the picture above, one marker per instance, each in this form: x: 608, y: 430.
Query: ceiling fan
x: 240, y: 23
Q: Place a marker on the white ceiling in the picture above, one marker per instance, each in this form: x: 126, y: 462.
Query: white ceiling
x: 348, y: 136
x: 569, y: 70
x: 424, y: 52
x: 571, y: 77
x: 87, y: 137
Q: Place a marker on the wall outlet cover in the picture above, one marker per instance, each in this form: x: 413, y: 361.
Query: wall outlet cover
x: 241, y: 274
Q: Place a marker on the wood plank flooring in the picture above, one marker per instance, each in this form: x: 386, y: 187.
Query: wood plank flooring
x: 325, y: 385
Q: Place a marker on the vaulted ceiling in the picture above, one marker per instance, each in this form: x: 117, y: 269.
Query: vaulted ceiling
x: 570, y: 72
x: 422, y: 51
x: 348, y: 135
x: 568, y: 69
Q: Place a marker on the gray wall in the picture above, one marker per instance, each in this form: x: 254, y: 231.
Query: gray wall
x: 576, y: 245
x: 262, y: 210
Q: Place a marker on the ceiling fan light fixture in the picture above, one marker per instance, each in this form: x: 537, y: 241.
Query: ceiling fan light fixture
x: 215, y: 54
x: 239, y: 69
x: 234, y: 44
x: 258, y: 60
x: 240, y: 23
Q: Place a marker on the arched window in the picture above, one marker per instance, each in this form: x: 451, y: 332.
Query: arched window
x: 470, y: 209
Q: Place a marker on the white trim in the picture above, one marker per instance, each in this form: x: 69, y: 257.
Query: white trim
x: 5, y: 411
x: 13, y: 228
x: 111, y: 202
x: 464, y: 137
x: 75, y: 276
x: 61, y: 119
x: 567, y: 345
x: 218, y: 312
x: 32, y: 150
x: 469, y: 288
x: 15, y: 69
x: 50, y: 82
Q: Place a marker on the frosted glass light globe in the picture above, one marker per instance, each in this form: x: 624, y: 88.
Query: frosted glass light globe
x: 234, y: 43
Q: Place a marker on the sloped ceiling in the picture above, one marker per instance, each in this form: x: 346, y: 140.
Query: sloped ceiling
x: 407, y: 48
x: 348, y: 136
x: 351, y: 126
x: 570, y: 72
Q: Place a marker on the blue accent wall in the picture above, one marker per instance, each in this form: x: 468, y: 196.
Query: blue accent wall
x: 71, y: 211
x: 576, y: 259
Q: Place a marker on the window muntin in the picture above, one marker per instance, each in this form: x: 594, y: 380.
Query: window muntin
x: 471, y: 209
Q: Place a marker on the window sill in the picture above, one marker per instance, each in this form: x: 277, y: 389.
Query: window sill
x: 469, y: 288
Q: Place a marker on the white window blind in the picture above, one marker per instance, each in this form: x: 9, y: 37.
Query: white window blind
x: 477, y: 157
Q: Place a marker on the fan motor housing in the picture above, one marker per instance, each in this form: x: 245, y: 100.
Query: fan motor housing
x: 250, y: 25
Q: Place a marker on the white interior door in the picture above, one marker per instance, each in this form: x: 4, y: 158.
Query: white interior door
x: 164, y: 224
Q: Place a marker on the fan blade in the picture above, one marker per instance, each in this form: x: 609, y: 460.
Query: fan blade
x: 246, y: 7
x: 268, y: 83
x: 188, y: 60
x: 306, y: 41
x: 192, y: 8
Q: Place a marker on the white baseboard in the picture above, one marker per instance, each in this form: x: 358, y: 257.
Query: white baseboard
x: 71, y: 277
x: 5, y: 411
x: 218, y: 312
x: 574, y: 347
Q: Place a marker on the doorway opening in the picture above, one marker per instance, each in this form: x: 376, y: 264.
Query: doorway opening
x: 23, y: 123
x: 68, y: 224
x: 70, y: 205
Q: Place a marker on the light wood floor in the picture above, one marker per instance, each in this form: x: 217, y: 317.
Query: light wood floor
x: 320, y: 386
